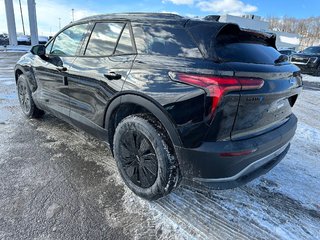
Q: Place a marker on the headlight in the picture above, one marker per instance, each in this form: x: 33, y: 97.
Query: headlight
x: 313, y: 59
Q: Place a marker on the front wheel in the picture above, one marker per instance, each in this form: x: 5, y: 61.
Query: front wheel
x: 145, y: 157
x: 25, y: 98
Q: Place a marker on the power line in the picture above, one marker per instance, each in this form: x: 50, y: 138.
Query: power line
x: 24, y: 32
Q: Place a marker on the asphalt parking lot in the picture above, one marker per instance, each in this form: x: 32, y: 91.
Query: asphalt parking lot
x: 57, y: 182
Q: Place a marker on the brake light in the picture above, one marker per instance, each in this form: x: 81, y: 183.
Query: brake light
x: 218, y: 86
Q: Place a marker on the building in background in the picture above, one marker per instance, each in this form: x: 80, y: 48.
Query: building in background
x: 287, y: 40
x: 247, y: 21
x: 284, y: 40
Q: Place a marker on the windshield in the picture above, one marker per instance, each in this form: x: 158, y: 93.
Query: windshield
x: 312, y: 50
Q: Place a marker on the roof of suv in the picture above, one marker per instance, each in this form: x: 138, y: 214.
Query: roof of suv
x: 138, y: 16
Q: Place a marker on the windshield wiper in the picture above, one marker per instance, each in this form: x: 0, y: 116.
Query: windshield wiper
x: 281, y: 58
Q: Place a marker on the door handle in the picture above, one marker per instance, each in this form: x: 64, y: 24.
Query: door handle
x: 62, y: 69
x: 112, y: 76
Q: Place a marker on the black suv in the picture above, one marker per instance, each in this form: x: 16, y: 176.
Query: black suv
x: 308, y: 60
x: 175, y: 98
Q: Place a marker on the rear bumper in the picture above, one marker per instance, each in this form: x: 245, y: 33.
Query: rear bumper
x: 205, y: 165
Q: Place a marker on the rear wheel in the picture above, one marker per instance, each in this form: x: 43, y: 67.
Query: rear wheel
x: 145, y: 157
x: 25, y: 98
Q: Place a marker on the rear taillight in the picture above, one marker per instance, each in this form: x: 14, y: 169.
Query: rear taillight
x: 218, y: 86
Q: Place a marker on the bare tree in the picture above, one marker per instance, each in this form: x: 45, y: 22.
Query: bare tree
x: 308, y: 28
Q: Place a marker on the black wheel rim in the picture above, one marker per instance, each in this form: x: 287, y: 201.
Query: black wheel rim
x: 24, y: 97
x: 138, y: 159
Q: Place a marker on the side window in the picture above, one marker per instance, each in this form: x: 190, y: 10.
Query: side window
x: 125, y: 42
x: 68, y: 41
x: 103, y: 39
x: 169, y: 40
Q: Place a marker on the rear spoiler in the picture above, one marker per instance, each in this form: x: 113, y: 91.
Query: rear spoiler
x: 233, y: 33
x: 212, y: 18
x: 208, y: 34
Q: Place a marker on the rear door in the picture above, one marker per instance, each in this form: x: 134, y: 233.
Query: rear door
x: 100, y: 73
x: 52, y: 70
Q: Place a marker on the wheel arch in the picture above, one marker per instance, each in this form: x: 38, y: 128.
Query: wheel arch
x: 28, y: 72
x: 17, y: 72
x: 128, y: 103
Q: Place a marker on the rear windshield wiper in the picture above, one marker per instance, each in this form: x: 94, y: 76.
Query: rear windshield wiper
x: 281, y: 58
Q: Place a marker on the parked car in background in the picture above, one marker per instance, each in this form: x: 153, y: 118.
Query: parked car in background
x: 43, y: 39
x: 308, y: 60
x: 287, y: 52
x: 175, y: 98
x: 26, y: 40
x: 4, y: 39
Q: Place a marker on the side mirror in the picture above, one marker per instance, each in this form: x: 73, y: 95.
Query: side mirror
x: 39, y: 50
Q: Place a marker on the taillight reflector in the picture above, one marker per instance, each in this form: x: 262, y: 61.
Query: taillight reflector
x: 237, y: 154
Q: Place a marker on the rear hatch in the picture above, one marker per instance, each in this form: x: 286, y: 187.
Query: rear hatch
x: 253, y: 55
x: 264, y: 109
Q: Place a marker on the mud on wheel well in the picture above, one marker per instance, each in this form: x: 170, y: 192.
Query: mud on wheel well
x: 127, y: 109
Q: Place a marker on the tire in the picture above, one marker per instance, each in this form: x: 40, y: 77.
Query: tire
x: 145, y: 157
x: 25, y: 98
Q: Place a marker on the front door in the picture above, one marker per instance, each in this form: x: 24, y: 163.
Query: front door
x: 52, y: 70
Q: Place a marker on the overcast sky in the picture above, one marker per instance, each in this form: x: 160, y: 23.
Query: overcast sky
x: 49, y: 11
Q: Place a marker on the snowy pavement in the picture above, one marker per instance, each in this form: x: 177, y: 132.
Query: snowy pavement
x: 57, y: 182
x: 14, y: 49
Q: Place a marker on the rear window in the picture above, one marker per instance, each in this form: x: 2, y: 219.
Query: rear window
x: 169, y: 40
x: 247, y: 52
x: 228, y: 43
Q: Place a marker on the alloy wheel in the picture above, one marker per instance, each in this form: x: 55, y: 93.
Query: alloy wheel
x: 138, y: 159
x: 24, y: 97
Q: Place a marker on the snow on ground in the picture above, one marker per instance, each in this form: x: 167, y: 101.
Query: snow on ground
x: 19, y: 48
x: 309, y: 78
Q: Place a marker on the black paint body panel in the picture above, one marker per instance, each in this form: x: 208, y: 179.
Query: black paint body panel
x: 78, y: 90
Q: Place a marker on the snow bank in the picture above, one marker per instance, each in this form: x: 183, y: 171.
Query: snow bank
x: 19, y: 48
x: 309, y: 78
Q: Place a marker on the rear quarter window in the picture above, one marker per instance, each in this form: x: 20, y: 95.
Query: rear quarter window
x: 165, y: 40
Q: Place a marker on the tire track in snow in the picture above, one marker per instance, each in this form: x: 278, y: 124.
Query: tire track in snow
x: 205, y: 216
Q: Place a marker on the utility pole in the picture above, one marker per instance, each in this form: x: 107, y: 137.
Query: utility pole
x: 72, y: 15
x: 24, y: 31
x: 33, y: 22
x: 11, y: 22
x: 59, y: 23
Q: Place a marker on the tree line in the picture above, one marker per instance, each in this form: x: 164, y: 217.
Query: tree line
x: 307, y: 28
